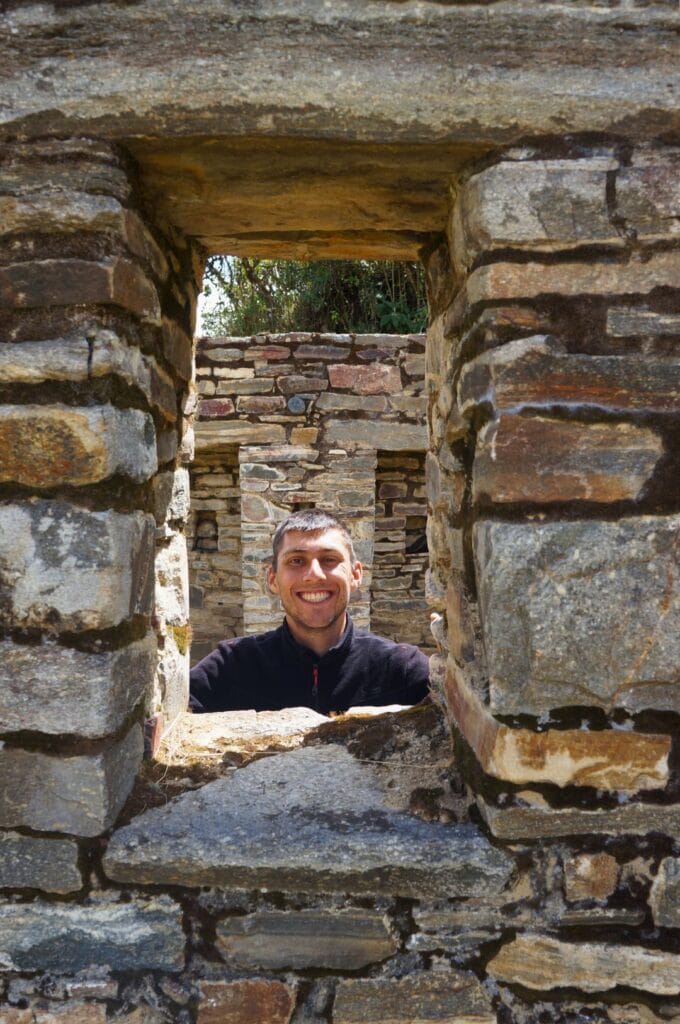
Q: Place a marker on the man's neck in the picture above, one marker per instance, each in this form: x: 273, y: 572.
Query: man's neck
x: 318, y: 640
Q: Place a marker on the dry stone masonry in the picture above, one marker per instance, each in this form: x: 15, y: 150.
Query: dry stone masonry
x: 352, y: 871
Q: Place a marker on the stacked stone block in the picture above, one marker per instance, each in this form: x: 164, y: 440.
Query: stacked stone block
x: 554, y: 523
x: 96, y: 309
x: 308, y: 413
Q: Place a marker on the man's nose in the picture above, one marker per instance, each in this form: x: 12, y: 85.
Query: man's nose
x: 314, y: 570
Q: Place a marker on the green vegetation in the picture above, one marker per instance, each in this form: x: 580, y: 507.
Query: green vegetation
x: 253, y: 296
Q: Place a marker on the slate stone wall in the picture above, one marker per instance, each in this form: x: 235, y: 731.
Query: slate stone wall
x: 96, y: 308
x: 309, y: 413
x: 553, y: 381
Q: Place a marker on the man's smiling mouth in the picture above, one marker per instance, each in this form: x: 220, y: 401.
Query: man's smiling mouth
x: 314, y: 596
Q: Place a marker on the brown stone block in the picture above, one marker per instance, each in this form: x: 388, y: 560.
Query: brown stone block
x: 590, y: 876
x: 245, y: 1002
x: 521, y: 458
x: 535, y: 373
x: 502, y: 281
x: 542, y: 962
x: 177, y: 348
x: 268, y: 353
x: 608, y: 759
x: 79, y: 282
x: 45, y: 446
x: 366, y: 380
x: 342, y: 940
x: 44, y: 1012
x: 216, y: 436
x: 260, y: 404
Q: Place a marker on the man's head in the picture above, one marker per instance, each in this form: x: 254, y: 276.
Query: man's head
x: 312, y: 520
x: 314, y: 572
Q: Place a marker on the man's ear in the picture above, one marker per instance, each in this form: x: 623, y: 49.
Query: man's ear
x: 271, y: 579
x: 357, y: 575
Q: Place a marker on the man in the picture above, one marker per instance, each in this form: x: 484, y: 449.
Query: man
x: 317, y: 658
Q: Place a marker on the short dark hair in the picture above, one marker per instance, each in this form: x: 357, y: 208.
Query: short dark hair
x: 312, y: 520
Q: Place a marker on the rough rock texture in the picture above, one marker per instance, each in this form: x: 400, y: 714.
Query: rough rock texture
x: 590, y: 876
x: 665, y: 894
x: 245, y: 1002
x: 108, y: 556
x: 81, y: 794
x: 54, y: 689
x: 537, y: 373
x: 46, y: 446
x: 42, y: 1012
x: 542, y: 962
x: 68, y: 938
x: 341, y: 940
x: 449, y: 997
x: 536, y: 459
x: 312, y: 819
x: 607, y: 759
x: 27, y: 862
x: 600, y: 613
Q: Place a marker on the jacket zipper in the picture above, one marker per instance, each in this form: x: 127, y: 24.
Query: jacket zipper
x: 315, y: 686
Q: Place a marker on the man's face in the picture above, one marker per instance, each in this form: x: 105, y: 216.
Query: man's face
x: 314, y: 578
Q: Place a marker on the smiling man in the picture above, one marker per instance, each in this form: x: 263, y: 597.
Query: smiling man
x: 317, y: 658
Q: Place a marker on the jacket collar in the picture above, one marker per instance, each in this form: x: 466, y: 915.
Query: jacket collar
x: 301, y: 651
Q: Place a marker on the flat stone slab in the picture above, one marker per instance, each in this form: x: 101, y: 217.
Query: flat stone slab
x: 69, y: 938
x: 451, y: 997
x: 30, y: 862
x: 665, y: 894
x: 543, y: 822
x: 313, y: 819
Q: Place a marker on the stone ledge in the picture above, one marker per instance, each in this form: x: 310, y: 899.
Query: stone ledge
x: 314, y: 820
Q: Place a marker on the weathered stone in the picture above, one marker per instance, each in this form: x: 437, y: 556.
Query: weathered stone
x: 64, y: 565
x: 330, y: 401
x: 172, y: 581
x: 257, y: 404
x: 214, y: 408
x: 278, y: 453
x: 242, y: 735
x: 366, y: 380
x: 51, y: 445
x: 27, y: 862
x: 343, y: 940
x: 44, y: 1012
x: 67, y: 938
x: 596, y: 628
x: 299, y: 384
x: 79, y: 282
x: 533, y: 204
x: 535, y: 373
x: 541, y: 962
x: 53, y: 689
x: 648, y: 195
x: 63, y: 211
x: 447, y: 996
x: 606, y: 759
x: 638, y: 322
x: 260, y: 386
x: 177, y: 348
x: 536, y: 459
x: 81, y: 794
x: 171, y: 493
x: 245, y: 1002
x: 545, y: 822
x: 216, y: 436
x: 391, y: 437
x: 312, y: 819
x: 590, y: 876
x: 665, y: 894
x: 313, y: 352
x: 501, y: 281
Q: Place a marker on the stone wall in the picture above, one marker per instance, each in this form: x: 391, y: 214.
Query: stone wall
x: 552, y: 487
x: 96, y: 308
x: 308, y: 413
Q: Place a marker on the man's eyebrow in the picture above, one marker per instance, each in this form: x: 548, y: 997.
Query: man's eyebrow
x: 304, y: 551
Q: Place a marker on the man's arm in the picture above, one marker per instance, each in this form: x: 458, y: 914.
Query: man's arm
x: 209, y: 681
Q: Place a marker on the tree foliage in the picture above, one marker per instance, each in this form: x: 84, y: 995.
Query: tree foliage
x: 256, y: 296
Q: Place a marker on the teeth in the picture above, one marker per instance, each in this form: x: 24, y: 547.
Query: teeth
x: 315, y: 596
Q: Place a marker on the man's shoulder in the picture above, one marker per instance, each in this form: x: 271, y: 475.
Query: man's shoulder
x: 372, y: 643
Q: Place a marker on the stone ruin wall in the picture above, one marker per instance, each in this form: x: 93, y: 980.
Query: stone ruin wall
x: 298, y: 421
x: 534, y: 880
x: 544, y: 887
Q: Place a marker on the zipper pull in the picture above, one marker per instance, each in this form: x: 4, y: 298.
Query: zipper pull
x: 315, y: 680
